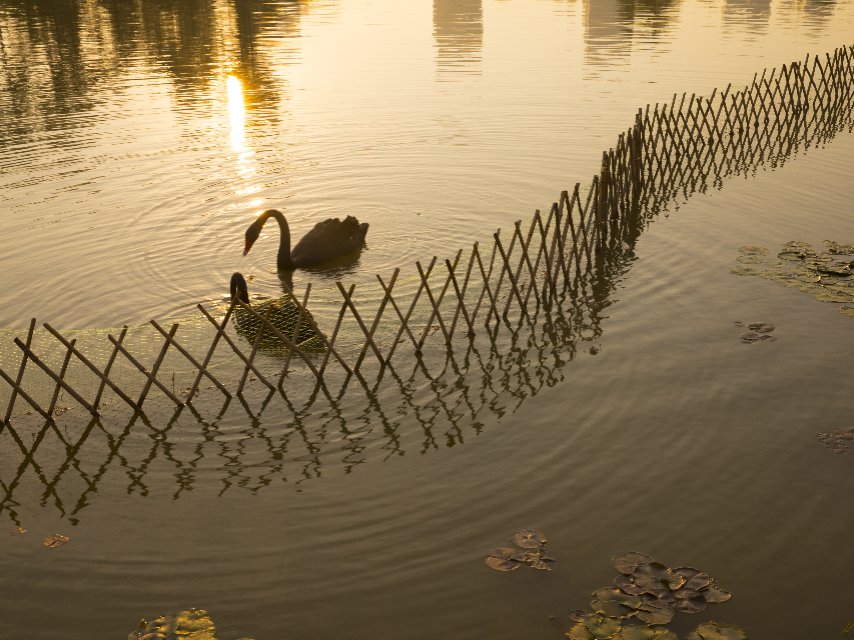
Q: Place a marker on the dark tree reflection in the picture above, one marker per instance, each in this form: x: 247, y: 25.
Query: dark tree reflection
x: 458, y: 35
x: 611, y: 24
x: 63, y: 57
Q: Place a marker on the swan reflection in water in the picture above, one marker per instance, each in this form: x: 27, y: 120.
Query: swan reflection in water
x: 283, y: 315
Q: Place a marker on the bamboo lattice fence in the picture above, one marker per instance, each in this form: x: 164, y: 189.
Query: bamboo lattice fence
x: 479, y: 300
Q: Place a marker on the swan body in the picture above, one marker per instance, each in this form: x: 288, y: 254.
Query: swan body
x: 283, y: 315
x: 329, y: 239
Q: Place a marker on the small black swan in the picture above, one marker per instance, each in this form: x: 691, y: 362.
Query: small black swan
x: 328, y: 240
x: 283, y: 315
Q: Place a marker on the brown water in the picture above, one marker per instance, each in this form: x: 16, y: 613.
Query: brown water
x: 131, y: 165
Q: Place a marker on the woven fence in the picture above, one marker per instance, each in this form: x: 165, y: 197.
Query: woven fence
x: 476, y: 301
x: 479, y: 334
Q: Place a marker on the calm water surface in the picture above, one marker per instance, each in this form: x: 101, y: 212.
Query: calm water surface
x: 139, y: 139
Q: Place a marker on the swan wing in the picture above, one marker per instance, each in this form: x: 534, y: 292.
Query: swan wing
x: 328, y: 240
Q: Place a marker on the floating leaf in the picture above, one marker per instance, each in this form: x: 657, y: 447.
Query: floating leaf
x: 717, y: 631
x: 578, y: 615
x: 529, y: 539
x: 611, y: 608
x: 616, y: 595
x: 686, y: 572
x: 698, y: 581
x: 761, y: 327
x: 194, y: 624
x: 656, y: 579
x: 637, y: 632
x: 827, y: 275
x: 602, y: 627
x: 690, y: 605
x: 55, y: 540
x: 657, y: 616
x: 594, y: 627
x: 715, y: 595
x: 19, y: 531
x: 751, y: 337
x: 627, y: 585
x: 753, y: 250
x: 837, y: 440
x: 503, y: 559
x: 628, y: 563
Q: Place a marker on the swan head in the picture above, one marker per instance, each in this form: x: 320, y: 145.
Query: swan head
x: 254, y: 229
x: 252, y: 234
x: 239, y: 290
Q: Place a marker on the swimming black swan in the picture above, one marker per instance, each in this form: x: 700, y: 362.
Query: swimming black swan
x: 328, y: 240
x: 284, y: 314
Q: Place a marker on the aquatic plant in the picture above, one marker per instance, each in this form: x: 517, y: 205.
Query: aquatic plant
x: 536, y: 555
x: 837, y: 439
x: 826, y: 275
x: 652, y: 593
x: 193, y: 624
x: 757, y: 332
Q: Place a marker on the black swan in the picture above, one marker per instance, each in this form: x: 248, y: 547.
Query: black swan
x: 328, y: 240
x: 283, y: 315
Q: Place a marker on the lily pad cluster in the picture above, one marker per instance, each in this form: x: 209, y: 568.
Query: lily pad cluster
x: 592, y: 626
x: 837, y: 440
x: 193, y: 624
x: 826, y: 275
x: 756, y: 332
x: 532, y: 552
x: 56, y: 540
x: 649, y: 592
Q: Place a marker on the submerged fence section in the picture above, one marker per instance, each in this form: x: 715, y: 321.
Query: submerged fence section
x: 526, y: 281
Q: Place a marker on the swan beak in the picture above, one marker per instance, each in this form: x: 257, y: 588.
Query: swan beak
x: 247, y: 247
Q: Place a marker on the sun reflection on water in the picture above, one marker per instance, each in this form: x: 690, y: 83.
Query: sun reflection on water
x: 246, y: 165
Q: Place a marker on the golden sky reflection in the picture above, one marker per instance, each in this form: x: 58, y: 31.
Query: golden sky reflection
x: 211, y: 110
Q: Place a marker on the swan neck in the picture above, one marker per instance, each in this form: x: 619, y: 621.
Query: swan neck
x: 283, y: 260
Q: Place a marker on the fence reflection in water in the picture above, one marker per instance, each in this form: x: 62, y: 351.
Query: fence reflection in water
x: 480, y: 333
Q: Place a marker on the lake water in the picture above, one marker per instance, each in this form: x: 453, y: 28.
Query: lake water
x: 138, y: 141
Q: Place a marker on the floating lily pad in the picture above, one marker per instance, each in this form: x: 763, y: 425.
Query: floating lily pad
x: 698, y: 581
x: 539, y: 559
x: 613, y: 602
x: 751, y: 337
x: 628, y: 563
x: 686, y: 572
x: 594, y: 627
x: 194, y: 624
x: 503, y: 559
x: 627, y: 585
x: 529, y: 539
x: 578, y: 615
x: 715, y: 595
x: 656, y: 616
x: 690, y: 605
x: 656, y: 579
x: 828, y: 275
x: 55, y: 540
x: 837, y: 440
x: 637, y: 632
x: 717, y: 631
x: 761, y: 327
